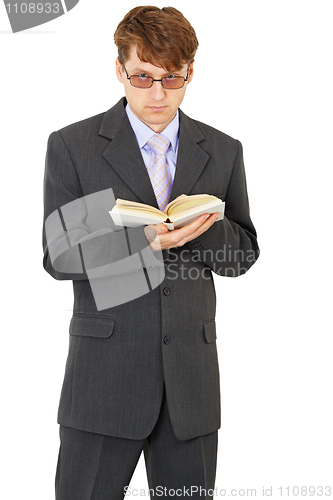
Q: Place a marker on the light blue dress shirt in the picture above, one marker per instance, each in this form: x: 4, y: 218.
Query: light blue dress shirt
x: 143, y: 134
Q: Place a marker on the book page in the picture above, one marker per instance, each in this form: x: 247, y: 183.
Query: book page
x: 130, y: 206
x: 185, y: 204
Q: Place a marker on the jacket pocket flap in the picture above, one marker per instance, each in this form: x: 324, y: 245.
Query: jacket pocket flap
x: 210, y: 331
x: 91, y: 326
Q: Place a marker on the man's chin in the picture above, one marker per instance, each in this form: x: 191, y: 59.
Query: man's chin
x: 158, y: 119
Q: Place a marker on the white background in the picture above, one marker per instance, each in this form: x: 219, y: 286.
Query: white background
x: 262, y: 75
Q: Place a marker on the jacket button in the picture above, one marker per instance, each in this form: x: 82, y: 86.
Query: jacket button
x: 166, y: 290
x: 197, y: 245
x: 167, y: 340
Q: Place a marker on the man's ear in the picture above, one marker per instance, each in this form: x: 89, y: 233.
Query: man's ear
x: 119, y: 70
x: 190, y: 72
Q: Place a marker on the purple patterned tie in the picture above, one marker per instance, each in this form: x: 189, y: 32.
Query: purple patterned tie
x: 158, y: 171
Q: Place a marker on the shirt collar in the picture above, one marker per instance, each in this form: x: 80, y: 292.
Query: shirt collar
x: 143, y: 133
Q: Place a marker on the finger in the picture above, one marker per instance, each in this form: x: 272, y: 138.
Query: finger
x: 205, y: 225
x: 192, y: 226
x: 162, y: 228
x: 201, y: 229
x: 180, y: 236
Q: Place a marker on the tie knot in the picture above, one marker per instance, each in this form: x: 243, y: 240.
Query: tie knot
x: 159, y: 144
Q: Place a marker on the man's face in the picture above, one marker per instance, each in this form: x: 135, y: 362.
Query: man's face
x: 156, y: 106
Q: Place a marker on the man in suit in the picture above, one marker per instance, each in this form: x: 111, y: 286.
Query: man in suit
x: 142, y: 369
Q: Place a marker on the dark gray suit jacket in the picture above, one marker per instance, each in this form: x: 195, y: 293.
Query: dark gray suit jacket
x: 120, y: 358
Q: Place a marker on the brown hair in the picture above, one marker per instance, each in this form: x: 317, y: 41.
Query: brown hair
x: 163, y: 37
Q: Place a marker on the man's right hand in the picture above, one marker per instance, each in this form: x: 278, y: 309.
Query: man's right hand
x: 160, y: 238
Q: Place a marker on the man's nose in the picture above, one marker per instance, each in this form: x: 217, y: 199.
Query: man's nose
x: 157, y: 91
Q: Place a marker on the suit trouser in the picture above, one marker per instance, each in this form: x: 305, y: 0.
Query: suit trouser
x: 97, y: 467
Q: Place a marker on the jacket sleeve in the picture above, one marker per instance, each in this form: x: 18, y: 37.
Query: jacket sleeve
x: 80, y: 241
x: 230, y: 246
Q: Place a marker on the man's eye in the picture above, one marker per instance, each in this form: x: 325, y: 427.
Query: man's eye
x: 143, y: 75
x: 171, y: 77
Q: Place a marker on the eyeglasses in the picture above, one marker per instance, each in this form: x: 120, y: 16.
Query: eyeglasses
x: 170, y: 82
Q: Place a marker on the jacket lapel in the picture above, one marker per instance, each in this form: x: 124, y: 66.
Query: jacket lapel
x: 123, y: 153
x: 191, y: 159
x: 124, y: 156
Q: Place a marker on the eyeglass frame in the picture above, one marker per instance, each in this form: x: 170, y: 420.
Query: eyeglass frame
x: 158, y: 80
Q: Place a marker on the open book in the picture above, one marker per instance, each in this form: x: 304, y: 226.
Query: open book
x: 178, y: 213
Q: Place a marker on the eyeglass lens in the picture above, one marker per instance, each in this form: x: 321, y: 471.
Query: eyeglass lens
x: 145, y: 82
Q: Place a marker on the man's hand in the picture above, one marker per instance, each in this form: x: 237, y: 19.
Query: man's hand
x: 160, y: 238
